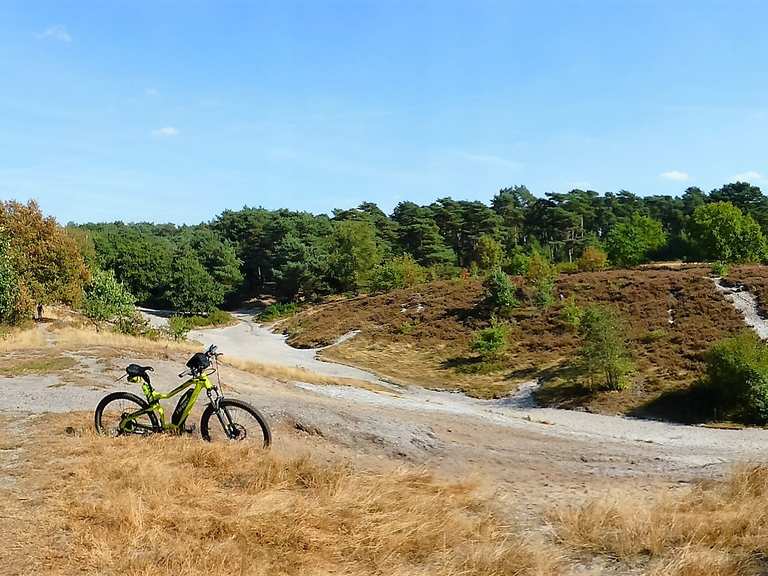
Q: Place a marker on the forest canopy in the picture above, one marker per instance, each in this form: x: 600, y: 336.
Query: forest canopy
x: 298, y: 255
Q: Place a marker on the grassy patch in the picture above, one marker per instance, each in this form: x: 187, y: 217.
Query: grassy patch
x: 277, y: 311
x: 41, y: 365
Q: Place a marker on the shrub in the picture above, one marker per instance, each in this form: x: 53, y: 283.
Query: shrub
x: 278, y: 310
x: 719, y: 269
x: 489, y: 253
x: 500, y: 291
x: 106, y: 299
x: 566, y: 267
x: 571, y: 314
x: 178, y: 326
x: 592, y: 259
x: 541, y: 275
x: 603, y: 355
x: 737, y: 374
x: 491, y: 342
x: 399, y: 272
x: 518, y: 264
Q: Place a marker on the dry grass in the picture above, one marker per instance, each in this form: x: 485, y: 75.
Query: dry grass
x: 288, y: 374
x: 77, y: 338
x: 22, y: 340
x: 714, y: 529
x: 179, y: 506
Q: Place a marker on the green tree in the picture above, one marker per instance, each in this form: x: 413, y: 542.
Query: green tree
x: 191, y: 289
x: 419, y: 235
x: 604, y: 355
x: 489, y: 253
x: 11, y: 308
x: 541, y: 275
x: 107, y: 299
x: 299, y: 269
x: 353, y: 255
x: 719, y: 231
x: 634, y: 240
x: 500, y: 291
x: 491, y: 342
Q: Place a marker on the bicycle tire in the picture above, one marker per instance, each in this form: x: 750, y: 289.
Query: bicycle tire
x: 205, y: 430
x: 131, y: 398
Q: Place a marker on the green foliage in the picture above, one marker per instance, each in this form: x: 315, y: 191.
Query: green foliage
x: 489, y: 253
x: 106, y: 299
x: 634, y: 240
x: 541, y: 276
x: 604, y: 356
x: 178, y: 326
x: 191, y: 289
x: 353, y: 256
x: 571, y: 314
x: 11, y: 310
x: 500, y: 291
x: 491, y: 342
x: 592, y: 259
x: 719, y: 269
x: 566, y: 267
x: 720, y: 231
x: 518, y: 263
x: 399, y: 272
x: 737, y: 375
x: 277, y: 311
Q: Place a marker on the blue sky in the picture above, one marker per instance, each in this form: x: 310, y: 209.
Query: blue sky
x: 176, y: 110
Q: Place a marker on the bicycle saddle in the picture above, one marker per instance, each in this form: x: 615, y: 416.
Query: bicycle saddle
x: 136, y: 371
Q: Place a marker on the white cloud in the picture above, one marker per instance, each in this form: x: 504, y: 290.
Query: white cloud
x: 748, y: 176
x: 675, y: 175
x: 166, y: 132
x: 56, y: 32
x: 151, y: 91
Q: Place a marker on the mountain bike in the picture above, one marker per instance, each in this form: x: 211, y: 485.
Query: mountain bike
x: 124, y: 413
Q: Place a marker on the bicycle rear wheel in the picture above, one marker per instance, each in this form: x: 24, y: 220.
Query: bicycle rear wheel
x: 109, y: 418
x: 237, y: 421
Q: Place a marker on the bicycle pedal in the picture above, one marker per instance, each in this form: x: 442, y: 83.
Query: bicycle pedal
x: 190, y: 429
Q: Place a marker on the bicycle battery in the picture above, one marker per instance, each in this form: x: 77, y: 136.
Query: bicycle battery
x: 180, y: 407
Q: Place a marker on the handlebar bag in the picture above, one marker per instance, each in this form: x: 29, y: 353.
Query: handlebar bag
x: 199, y: 362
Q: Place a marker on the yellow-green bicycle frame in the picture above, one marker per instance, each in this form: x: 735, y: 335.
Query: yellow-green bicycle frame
x: 200, y: 383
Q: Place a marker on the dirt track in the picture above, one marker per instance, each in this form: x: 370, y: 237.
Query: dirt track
x: 534, y: 454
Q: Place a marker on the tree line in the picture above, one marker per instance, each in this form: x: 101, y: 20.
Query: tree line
x: 294, y: 254
x: 298, y: 255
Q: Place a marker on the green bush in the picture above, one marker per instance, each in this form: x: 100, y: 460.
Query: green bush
x: 737, y: 375
x: 491, y: 342
x: 542, y: 275
x: 500, y: 291
x: 399, y: 272
x: 571, y: 314
x: 592, y: 259
x: 518, y: 264
x: 566, y: 267
x: 719, y: 269
x: 178, y: 326
x: 277, y: 311
x: 604, y: 357
x: 105, y: 299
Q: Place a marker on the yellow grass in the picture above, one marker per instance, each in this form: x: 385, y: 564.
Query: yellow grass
x: 716, y: 529
x: 77, y: 338
x: 179, y: 506
x: 288, y: 374
x: 22, y: 340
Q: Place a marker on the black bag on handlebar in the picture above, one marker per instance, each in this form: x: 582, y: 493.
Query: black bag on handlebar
x: 199, y: 362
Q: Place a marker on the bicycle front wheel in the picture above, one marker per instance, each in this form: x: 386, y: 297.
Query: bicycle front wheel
x: 112, y: 412
x: 236, y: 421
